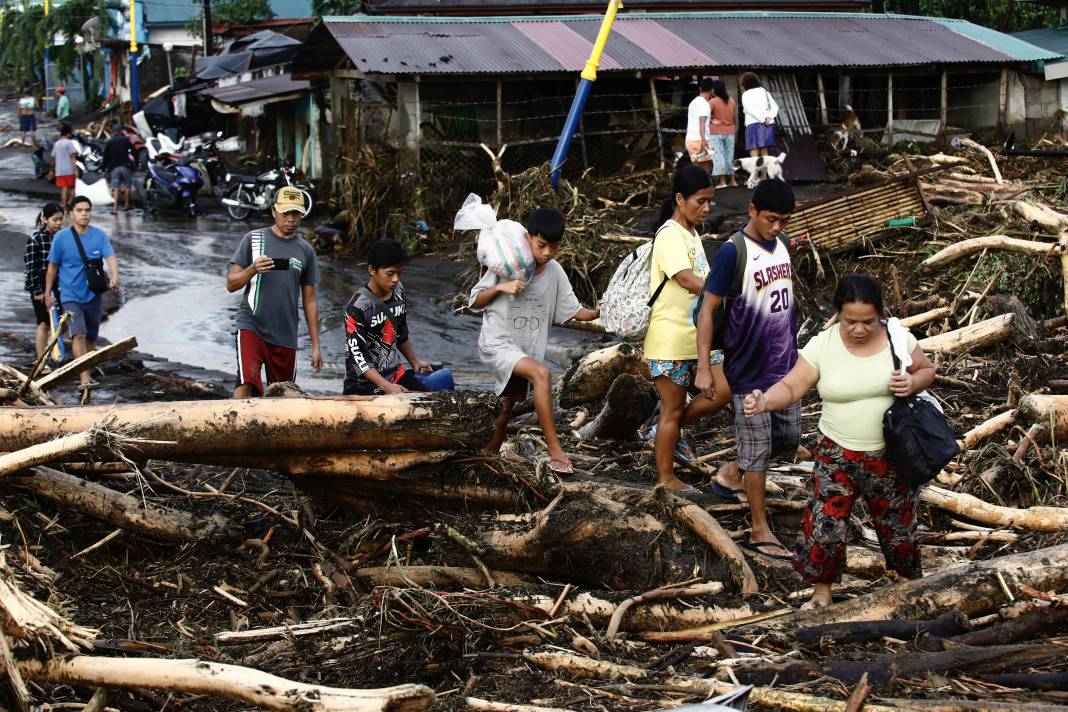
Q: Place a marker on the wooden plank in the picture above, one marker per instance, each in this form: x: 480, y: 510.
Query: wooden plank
x: 823, y: 99
x: 85, y: 362
x: 656, y: 117
x: 943, y: 104
x: 890, y: 108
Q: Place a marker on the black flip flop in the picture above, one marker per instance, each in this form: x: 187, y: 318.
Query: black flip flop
x: 755, y: 547
x: 725, y: 493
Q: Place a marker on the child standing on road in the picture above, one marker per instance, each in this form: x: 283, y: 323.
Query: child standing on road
x: 515, y: 329
x: 376, y: 332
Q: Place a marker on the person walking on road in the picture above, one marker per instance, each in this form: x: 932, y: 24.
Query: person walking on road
x: 27, y: 118
x: 35, y: 259
x: 277, y: 269
x: 77, y: 259
x: 118, y: 163
x: 64, y: 171
x: 62, y: 104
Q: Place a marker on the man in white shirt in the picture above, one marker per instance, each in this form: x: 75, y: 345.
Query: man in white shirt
x: 699, y: 116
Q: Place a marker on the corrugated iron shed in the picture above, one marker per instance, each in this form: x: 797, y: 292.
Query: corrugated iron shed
x: 281, y: 85
x: 526, y: 7
x: 655, y: 41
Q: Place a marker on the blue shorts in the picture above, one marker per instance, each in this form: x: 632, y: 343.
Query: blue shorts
x: 85, y: 318
x: 27, y: 122
x: 681, y: 373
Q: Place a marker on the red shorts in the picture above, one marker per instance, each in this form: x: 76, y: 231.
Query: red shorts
x: 254, y: 354
x: 64, y: 181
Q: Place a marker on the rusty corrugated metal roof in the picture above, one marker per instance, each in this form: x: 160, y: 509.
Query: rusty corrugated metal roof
x: 258, y: 89
x: 653, y: 41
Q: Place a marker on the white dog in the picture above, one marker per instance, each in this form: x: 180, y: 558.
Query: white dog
x: 849, y: 130
x: 760, y: 167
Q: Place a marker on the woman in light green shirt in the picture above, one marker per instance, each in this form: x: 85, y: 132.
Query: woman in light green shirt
x: 851, y: 366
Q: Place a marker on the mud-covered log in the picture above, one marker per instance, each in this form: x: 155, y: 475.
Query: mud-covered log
x: 988, y: 427
x: 414, y: 421
x: 123, y: 510
x: 584, y: 537
x: 972, y: 588
x: 1046, y: 681
x: 200, y: 677
x: 885, y: 668
x: 978, y: 335
x: 1026, y: 627
x: 1042, y: 519
x: 444, y: 577
x: 590, y: 377
x: 629, y: 403
x: 1041, y: 216
x: 371, y: 465
x: 975, y: 245
x: 945, y: 625
x: 1045, y: 410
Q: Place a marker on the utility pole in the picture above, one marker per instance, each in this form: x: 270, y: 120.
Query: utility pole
x: 135, y: 87
x: 208, y: 48
x: 48, y: 59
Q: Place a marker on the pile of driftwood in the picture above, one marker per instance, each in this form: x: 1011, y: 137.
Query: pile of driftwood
x: 219, y: 537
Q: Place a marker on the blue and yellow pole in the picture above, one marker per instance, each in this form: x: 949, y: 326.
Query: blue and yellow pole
x: 589, y: 76
x: 135, y: 87
x: 48, y: 46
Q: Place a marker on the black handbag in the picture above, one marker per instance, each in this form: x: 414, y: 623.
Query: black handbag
x: 94, y: 269
x: 919, y: 441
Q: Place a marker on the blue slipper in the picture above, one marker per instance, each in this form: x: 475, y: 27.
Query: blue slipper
x: 683, y: 451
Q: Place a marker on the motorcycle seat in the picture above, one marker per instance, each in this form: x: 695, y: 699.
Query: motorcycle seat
x: 241, y: 178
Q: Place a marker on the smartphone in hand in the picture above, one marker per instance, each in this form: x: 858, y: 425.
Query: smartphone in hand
x: 281, y: 263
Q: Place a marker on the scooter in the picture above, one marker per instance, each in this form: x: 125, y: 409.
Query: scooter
x: 208, y: 160
x: 90, y: 151
x: 172, y: 184
x: 254, y: 193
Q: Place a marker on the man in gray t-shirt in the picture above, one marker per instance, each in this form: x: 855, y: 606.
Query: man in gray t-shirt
x: 64, y: 154
x: 277, y: 269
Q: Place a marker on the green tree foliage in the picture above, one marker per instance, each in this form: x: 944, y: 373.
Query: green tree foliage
x: 67, y: 20
x: 336, y: 7
x: 1003, y: 15
x: 22, y: 51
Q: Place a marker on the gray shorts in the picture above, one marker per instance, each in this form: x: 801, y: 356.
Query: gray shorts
x: 85, y: 318
x: 765, y: 436
x: 120, y: 178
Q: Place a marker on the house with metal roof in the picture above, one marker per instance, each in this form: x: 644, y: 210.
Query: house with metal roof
x: 439, y: 85
x: 557, y: 7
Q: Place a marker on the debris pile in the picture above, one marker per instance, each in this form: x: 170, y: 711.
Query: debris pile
x: 224, y: 531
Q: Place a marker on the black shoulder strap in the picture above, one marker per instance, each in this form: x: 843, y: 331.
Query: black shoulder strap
x: 81, y: 249
x: 378, y: 302
x: 893, y: 355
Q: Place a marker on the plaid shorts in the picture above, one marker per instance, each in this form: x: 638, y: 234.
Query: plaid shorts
x: 681, y: 373
x: 765, y: 436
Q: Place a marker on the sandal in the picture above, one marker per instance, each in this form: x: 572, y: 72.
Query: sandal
x: 724, y: 492
x: 758, y: 548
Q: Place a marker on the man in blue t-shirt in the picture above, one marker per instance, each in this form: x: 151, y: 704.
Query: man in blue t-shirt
x: 65, y: 261
x: 759, y: 348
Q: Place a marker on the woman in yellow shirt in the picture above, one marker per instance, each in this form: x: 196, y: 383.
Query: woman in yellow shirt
x: 678, y: 270
x: 851, y: 366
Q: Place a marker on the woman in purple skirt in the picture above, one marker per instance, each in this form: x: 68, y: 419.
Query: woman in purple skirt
x: 760, y: 113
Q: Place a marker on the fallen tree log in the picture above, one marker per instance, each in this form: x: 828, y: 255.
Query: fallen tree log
x: 123, y: 510
x: 973, y: 588
x: 987, y: 428
x: 415, y: 421
x: 1041, y: 216
x: 975, y: 245
x: 1047, y: 411
x: 1041, y: 519
x: 643, y: 618
x: 372, y: 465
x: 944, y: 195
x: 628, y: 404
x: 582, y: 536
x: 1030, y: 681
x: 1026, y: 627
x: 230, y: 681
x: 926, y: 317
x: 589, y: 378
x: 949, y: 623
x: 84, y: 362
x: 438, y: 577
x: 705, y: 527
x: 978, y: 335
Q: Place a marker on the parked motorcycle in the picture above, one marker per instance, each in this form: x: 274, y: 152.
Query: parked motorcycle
x: 90, y: 151
x: 42, y: 158
x: 208, y: 160
x: 172, y: 184
x: 247, y: 194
